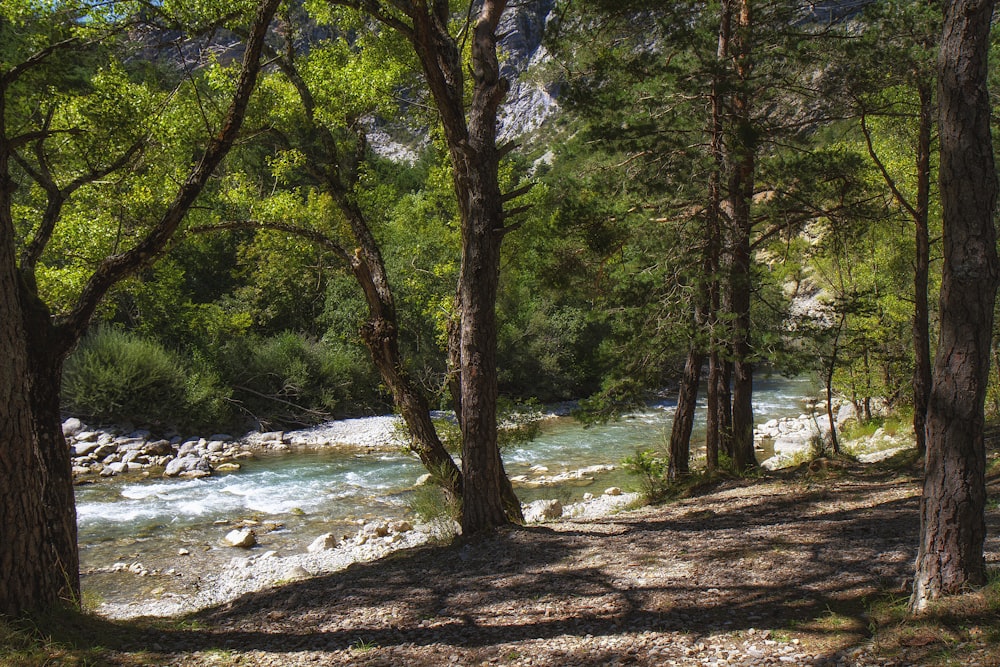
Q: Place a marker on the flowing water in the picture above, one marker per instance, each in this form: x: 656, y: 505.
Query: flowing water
x: 296, y: 497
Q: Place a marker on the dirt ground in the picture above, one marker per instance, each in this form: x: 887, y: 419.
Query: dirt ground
x: 787, y: 569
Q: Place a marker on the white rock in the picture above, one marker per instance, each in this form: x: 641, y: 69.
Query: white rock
x: 613, y: 491
x: 244, y: 538
x: 72, y: 426
x: 84, y: 448
x: 400, y: 526
x: 322, y: 543
x: 540, y: 510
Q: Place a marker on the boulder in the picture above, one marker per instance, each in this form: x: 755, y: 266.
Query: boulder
x: 612, y: 491
x: 72, y: 426
x: 243, y: 538
x: 114, y: 468
x: 158, y: 448
x: 106, y: 449
x: 189, y: 463
x: 541, y: 510
x: 84, y: 448
x: 322, y: 543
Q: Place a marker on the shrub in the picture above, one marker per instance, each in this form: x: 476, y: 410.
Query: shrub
x: 117, y: 376
x: 651, y: 469
x: 290, y: 378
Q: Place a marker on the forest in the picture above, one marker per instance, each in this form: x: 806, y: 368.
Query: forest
x: 269, y: 214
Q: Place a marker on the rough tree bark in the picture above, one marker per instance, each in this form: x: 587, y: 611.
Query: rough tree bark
x: 742, y: 165
x: 470, y: 133
x: 921, y: 271
x: 39, y: 556
x: 687, y: 398
x: 952, y: 512
x: 714, y: 428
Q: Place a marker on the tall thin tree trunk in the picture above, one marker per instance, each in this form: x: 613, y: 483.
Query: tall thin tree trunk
x: 921, y: 270
x: 687, y: 399
x: 742, y: 164
x: 713, y: 241
x: 952, y: 511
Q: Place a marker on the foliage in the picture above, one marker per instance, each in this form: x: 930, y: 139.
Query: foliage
x: 116, y: 376
x: 651, y: 468
x: 430, y: 502
x: 292, y: 379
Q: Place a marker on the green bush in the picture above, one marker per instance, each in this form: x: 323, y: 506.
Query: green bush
x: 116, y: 376
x: 651, y: 468
x: 290, y: 378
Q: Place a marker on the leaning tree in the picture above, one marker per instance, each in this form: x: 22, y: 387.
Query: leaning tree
x: 469, y: 124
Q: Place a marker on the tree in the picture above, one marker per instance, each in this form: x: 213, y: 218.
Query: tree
x: 470, y: 130
x: 39, y: 557
x: 901, y: 38
x: 337, y: 176
x: 952, y: 510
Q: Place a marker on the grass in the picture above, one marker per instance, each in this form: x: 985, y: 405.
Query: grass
x: 362, y: 646
x: 69, y: 638
x: 959, y: 630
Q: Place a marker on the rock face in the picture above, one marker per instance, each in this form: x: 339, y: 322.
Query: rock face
x: 530, y: 100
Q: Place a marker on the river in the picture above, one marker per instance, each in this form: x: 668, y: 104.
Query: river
x: 297, y: 496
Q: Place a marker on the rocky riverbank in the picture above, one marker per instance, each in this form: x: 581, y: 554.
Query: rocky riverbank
x: 183, y: 584
x: 112, y: 451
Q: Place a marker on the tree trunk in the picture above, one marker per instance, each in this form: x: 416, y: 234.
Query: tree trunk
x: 713, y: 251
x: 921, y: 270
x: 32, y: 575
x: 39, y: 555
x: 742, y: 164
x: 952, y: 513
x: 713, y: 430
x: 381, y: 335
x: 475, y: 165
x: 687, y: 399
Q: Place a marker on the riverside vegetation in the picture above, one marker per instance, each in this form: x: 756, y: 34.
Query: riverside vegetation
x: 216, y: 217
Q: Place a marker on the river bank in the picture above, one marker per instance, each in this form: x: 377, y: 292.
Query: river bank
x: 790, y: 568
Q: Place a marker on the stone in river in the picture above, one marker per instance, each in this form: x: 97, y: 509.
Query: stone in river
x: 243, y: 538
x: 613, y: 491
x: 322, y: 543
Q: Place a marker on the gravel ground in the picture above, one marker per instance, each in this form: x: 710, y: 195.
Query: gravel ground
x: 767, y: 572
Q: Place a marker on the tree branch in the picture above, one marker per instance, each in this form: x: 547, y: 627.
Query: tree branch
x: 117, y: 267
